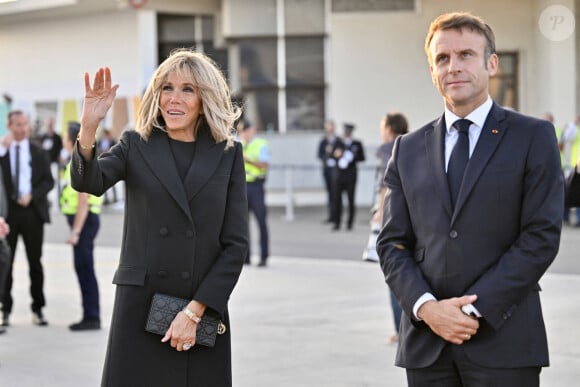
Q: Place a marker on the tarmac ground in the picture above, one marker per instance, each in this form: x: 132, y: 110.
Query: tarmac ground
x: 316, y: 316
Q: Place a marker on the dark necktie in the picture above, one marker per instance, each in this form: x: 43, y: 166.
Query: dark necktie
x: 16, y: 192
x: 459, y: 158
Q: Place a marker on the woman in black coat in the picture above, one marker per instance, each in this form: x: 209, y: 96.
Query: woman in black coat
x: 185, y: 230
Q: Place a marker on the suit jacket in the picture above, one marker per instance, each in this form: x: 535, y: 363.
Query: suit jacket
x: 186, y: 239
x: 42, y: 181
x: 573, y: 189
x: 497, y: 243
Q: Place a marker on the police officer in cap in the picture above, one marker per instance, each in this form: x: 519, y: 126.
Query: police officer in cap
x: 347, y: 154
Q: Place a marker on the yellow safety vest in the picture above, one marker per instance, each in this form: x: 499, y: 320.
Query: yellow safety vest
x: 69, y: 198
x: 252, y: 152
x: 575, y: 146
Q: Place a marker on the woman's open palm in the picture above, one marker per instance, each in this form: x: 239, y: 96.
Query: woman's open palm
x: 99, y: 97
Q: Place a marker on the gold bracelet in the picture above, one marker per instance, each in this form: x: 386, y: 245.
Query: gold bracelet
x: 85, y: 147
x: 192, y: 316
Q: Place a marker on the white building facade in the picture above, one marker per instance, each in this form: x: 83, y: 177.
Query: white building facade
x: 295, y: 63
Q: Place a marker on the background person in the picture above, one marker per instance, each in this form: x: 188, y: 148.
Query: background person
x: 256, y: 159
x: 82, y: 215
x: 27, y: 180
x: 393, y: 125
x: 348, y: 153
x: 573, y: 187
x: 326, y: 148
x: 472, y: 220
x: 186, y: 218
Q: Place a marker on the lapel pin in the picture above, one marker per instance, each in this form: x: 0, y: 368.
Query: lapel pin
x: 495, y: 131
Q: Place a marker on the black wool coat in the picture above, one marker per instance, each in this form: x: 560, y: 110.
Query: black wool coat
x: 186, y: 239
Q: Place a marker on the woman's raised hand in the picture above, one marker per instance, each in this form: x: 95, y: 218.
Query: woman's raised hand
x: 98, y: 98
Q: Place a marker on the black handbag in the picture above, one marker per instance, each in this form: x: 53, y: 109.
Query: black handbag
x: 163, y: 310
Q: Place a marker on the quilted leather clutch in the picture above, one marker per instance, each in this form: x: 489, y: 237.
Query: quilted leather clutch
x: 163, y: 310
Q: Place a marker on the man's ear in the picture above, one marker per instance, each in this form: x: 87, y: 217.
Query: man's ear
x: 492, y: 64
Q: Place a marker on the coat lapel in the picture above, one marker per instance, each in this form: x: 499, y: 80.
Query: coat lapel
x: 491, y: 135
x: 157, y: 155
x: 435, y: 146
x: 207, y: 156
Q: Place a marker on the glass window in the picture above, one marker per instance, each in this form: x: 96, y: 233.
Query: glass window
x: 258, y: 62
x: 260, y: 106
x: 304, y: 16
x: 207, y: 26
x: 503, y: 86
x: 372, y: 5
x: 251, y: 17
x: 304, y: 61
x: 176, y: 28
x: 305, y: 108
x: 174, y: 31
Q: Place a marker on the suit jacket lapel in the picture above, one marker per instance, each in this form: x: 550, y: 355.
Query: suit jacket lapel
x: 435, y: 146
x: 207, y: 156
x: 491, y: 135
x: 157, y: 155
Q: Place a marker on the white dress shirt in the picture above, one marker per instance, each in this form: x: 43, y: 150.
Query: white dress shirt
x: 25, y: 178
x: 477, y: 117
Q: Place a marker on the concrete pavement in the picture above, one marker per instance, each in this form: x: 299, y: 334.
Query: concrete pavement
x: 303, y: 321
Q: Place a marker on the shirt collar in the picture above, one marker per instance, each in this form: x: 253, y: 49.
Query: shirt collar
x: 23, y: 144
x: 477, y: 116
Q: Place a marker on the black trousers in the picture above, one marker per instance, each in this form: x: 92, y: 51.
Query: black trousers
x: 85, y: 265
x: 345, y: 182
x: 329, y: 185
x: 25, y: 222
x: 257, y: 205
x: 453, y: 369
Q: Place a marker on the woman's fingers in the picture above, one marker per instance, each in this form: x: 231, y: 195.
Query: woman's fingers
x: 107, y: 76
x: 87, y: 82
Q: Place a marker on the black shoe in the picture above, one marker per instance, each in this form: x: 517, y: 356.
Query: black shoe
x: 5, y: 320
x: 262, y: 263
x: 38, y: 319
x: 336, y: 227
x: 86, y: 325
x: 2, y: 330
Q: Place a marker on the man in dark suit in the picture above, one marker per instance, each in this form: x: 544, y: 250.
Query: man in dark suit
x: 573, y: 187
x: 472, y: 220
x: 347, y: 153
x: 326, y: 147
x: 27, y: 178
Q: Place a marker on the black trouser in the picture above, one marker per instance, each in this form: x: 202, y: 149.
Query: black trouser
x: 257, y: 205
x: 328, y: 182
x: 85, y: 265
x: 345, y: 182
x: 454, y: 369
x: 26, y: 222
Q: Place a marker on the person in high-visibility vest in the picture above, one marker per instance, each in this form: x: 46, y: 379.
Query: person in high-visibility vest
x: 82, y: 214
x: 573, y: 186
x: 569, y: 144
x: 256, y: 159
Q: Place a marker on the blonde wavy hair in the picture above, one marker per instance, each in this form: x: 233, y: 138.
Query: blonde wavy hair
x: 210, y: 84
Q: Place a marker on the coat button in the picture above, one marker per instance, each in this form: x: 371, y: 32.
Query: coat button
x: 185, y: 275
x: 163, y: 231
x: 453, y: 234
x: 189, y: 234
x: 162, y: 274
